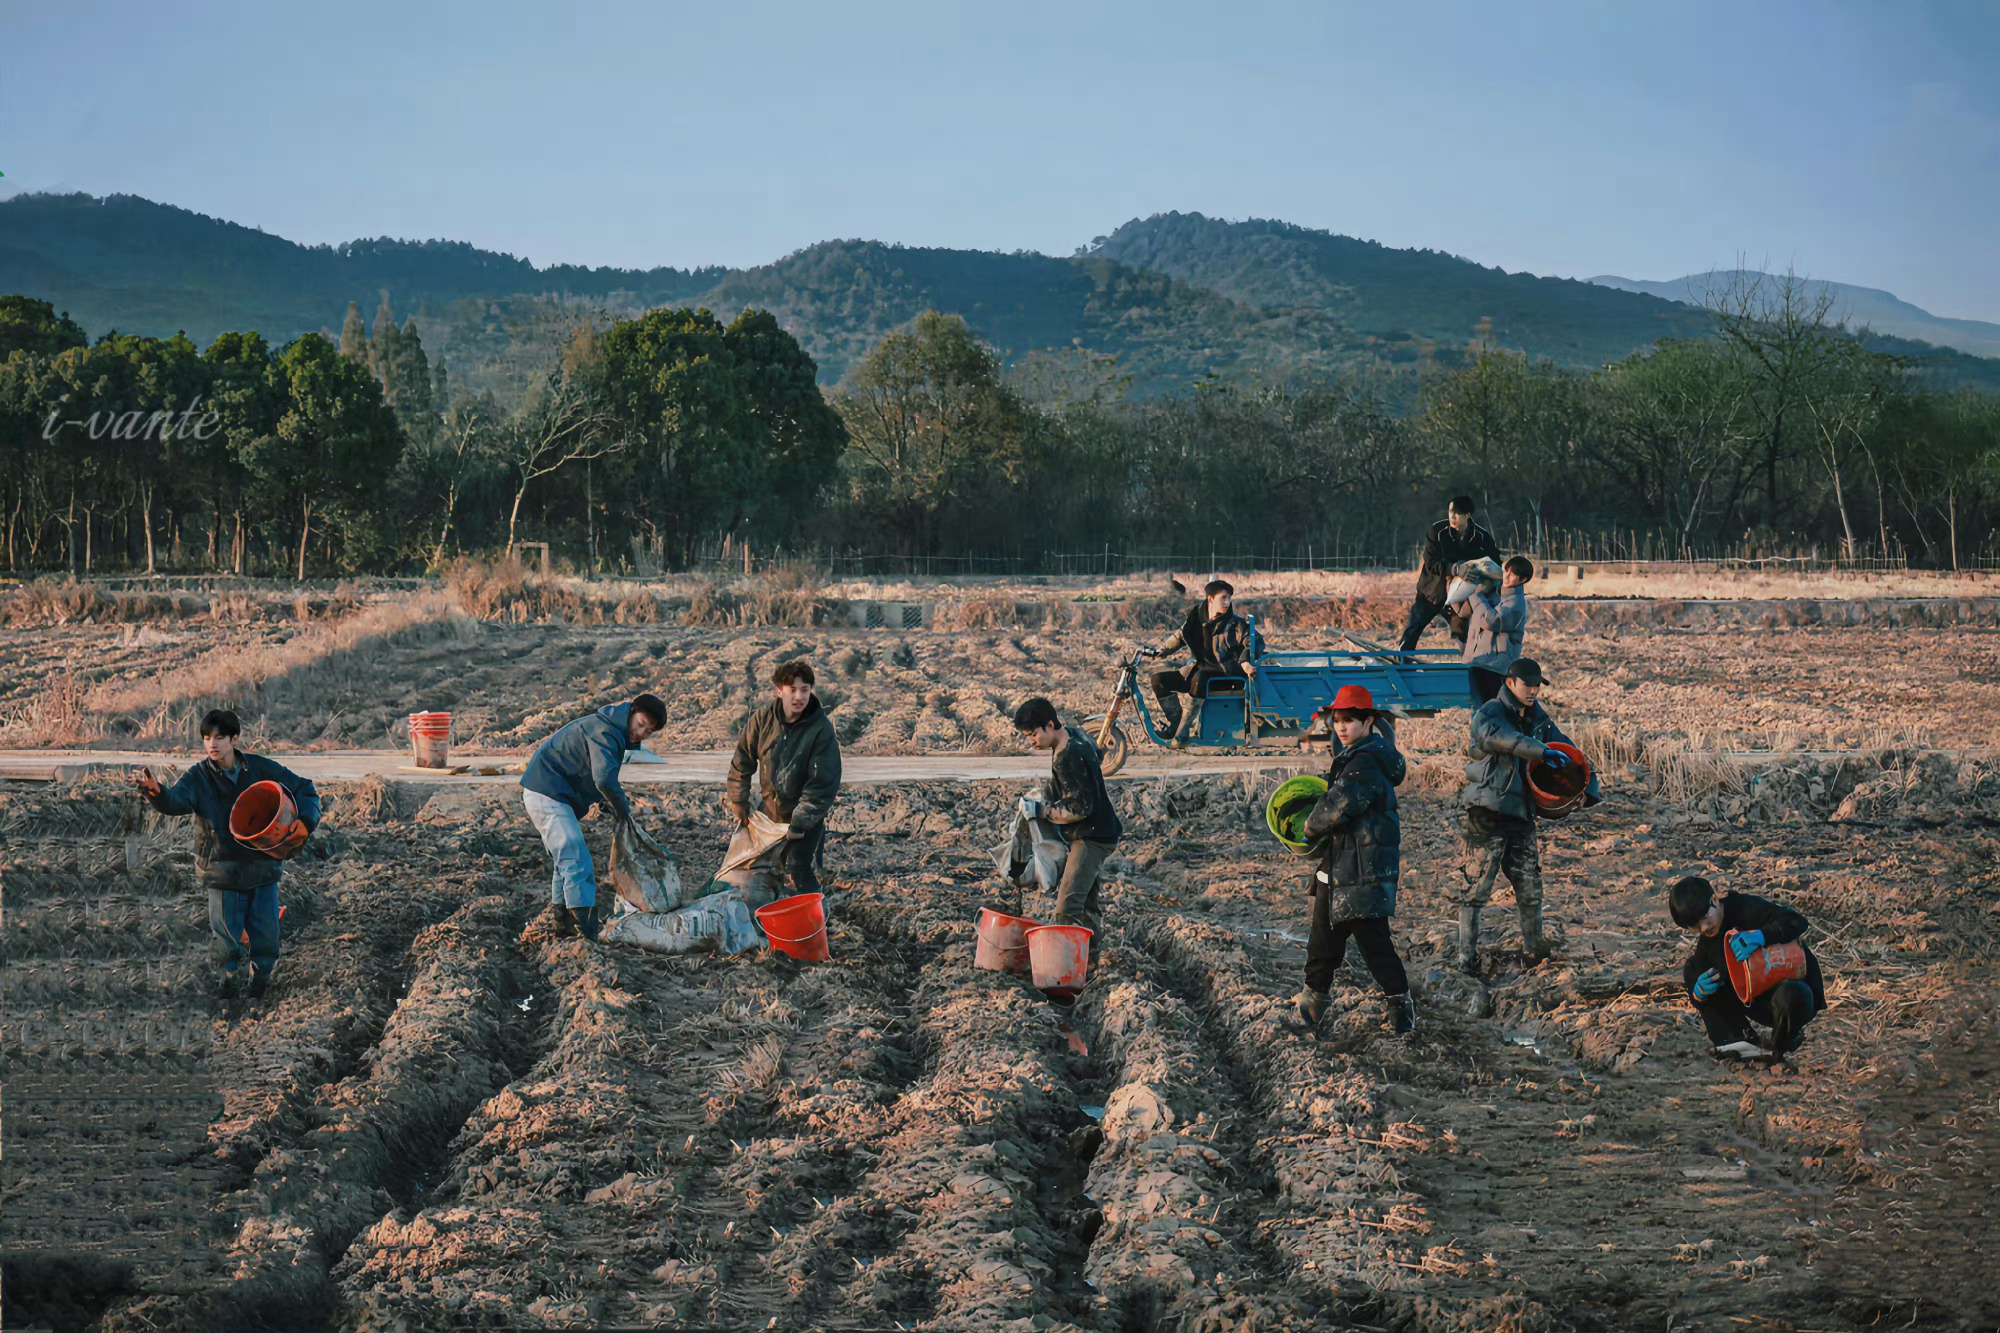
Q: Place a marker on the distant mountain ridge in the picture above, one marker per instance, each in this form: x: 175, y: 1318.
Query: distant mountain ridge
x: 1860, y: 307
x: 1176, y: 298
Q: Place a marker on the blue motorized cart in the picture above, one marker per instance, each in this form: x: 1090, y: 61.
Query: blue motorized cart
x: 1278, y: 703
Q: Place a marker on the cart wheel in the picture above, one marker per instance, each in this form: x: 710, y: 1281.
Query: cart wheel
x: 1111, y: 755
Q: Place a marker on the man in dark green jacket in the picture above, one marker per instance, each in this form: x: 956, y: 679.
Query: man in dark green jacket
x: 790, y: 745
x: 1509, y: 732
x: 242, y: 882
x: 574, y: 770
x: 1079, y: 805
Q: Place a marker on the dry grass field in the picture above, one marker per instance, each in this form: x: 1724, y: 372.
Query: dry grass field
x: 443, y: 1116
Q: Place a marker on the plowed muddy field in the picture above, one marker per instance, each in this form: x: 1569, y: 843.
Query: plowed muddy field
x: 446, y: 1116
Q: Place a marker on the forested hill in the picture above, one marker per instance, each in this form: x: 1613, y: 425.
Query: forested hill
x: 130, y: 264
x: 840, y: 297
x: 1376, y: 289
x: 1174, y: 298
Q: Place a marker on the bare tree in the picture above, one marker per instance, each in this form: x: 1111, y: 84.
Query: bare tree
x: 565, y: 423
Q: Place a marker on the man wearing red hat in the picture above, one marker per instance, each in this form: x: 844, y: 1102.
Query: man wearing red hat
x: 1360, y: 839
x: 1509, y: 732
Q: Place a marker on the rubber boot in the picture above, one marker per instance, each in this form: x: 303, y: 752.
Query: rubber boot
x: 1468, y: 941
x: 1170, y: 715
x: 1533, y: 947
x: 1311, y: 1006
x: 565, y: 921
x: 586, y: 922
x: 260, y: 981
x: 1190, y: 723
x: 1402, y: 1012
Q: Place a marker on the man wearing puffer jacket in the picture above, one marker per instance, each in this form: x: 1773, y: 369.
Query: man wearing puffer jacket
x: 1361, y: 839
x: 1509, y: 732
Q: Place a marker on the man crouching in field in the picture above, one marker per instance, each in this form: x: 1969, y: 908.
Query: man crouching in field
x: 574, y: 770
x: 1757, y: 922
x: 790, y: 745
x: 242, y: 882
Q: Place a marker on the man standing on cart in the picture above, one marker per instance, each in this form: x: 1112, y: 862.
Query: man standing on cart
x: 1449, y: 543
x: 1225, y: 647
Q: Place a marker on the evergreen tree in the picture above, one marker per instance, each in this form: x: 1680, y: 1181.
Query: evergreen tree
x: 354, y: 335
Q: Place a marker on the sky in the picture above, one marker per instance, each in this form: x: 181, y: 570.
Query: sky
x: 1852, y: 140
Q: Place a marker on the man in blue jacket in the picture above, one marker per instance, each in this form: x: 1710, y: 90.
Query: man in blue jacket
x: 575, y: 769
x: 242, y: 882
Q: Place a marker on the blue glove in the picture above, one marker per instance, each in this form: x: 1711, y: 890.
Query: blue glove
x: 1707, y: 984
x: 1555, y: 759
x: 1747, y: 943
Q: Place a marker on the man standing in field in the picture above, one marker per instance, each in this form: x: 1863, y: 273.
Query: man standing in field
x: 574, y: 770
x: 790, y: 745
x: 1224, y: 648
x: 1079, y: 806
x: 1451, y: 542
x: 242, y: 882
x: 1509, y: 732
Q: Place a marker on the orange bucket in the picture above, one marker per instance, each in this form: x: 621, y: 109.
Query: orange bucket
x: 1060, y: 957
x: 1770, y: 965
x: 797, y: 926
x: 430, y: 739
x: 1557, y: 792
x: 1003, y: 941
x: 264, y: 819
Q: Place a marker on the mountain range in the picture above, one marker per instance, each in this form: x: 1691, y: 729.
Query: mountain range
x: 1176, y: 297
x: 1859, y: 307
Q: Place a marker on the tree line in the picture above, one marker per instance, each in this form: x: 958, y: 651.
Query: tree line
x: 657, y: 438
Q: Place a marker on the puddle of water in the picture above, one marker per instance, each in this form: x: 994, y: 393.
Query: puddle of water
x: 1094, y: 1112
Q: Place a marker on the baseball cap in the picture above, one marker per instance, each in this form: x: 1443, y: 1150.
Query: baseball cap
x: 1527, y: 670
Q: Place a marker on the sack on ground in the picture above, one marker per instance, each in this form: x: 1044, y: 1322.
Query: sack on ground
x: 1033, y: 853
x: 718, y: 922
x: 644, y: 873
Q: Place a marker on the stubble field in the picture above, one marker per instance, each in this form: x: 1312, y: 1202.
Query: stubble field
x: 444, y: 1116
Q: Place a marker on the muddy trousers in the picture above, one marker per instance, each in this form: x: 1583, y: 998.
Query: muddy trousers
x: 1326, y: 950
x: 1083, y: 873
x: 1491, y: 845
x: 232, y: 913
x: 574, y: 883
x: 1786, y: 1009
x: 798, y: 857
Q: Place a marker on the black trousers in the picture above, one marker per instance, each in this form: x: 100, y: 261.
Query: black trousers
x: 1486, y: 684
x: 1786, y: 1008
x: 798, y: 856
x: 1194, y: 681
x: 1326, y: 949
x: 1422, y: 612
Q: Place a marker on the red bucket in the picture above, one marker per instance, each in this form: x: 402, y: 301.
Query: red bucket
x: 430, y: 739
x: 1769, y: 966
x: 1060, y: 957
x: 1003, y: 941
x: 265, y: 820
x: 1558, y: 791
x: 797, y: 926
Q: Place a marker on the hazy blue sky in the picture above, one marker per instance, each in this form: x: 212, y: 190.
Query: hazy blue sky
x: 1859, y: 141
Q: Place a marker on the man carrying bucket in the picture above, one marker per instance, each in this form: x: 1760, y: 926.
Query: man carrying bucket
x: 791, y: 746
x: 242, y: 882
x: 1509, y: 732
x: 1736, y: 935
x: 1079, y: 806
x: 1356, y: 834
x: 574, y: 770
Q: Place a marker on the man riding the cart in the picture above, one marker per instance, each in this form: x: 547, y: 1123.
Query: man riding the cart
x: 1225, y: 648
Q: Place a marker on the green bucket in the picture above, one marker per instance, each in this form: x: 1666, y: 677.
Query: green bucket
x: 1289, y: 808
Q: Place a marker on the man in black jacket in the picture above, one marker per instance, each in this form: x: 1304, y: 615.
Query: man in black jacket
x: 1786, y: 1008
x: 1224, y: 645
x: 1079, y: 806
x: 1449, y: 543
x: 790, y: 745
x: 242, y: 882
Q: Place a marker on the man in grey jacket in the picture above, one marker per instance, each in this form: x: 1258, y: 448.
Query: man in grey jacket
x: 1498, y: 626
x: 791, y: 746
x: 1509, y: 732
x: 574, y: 770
